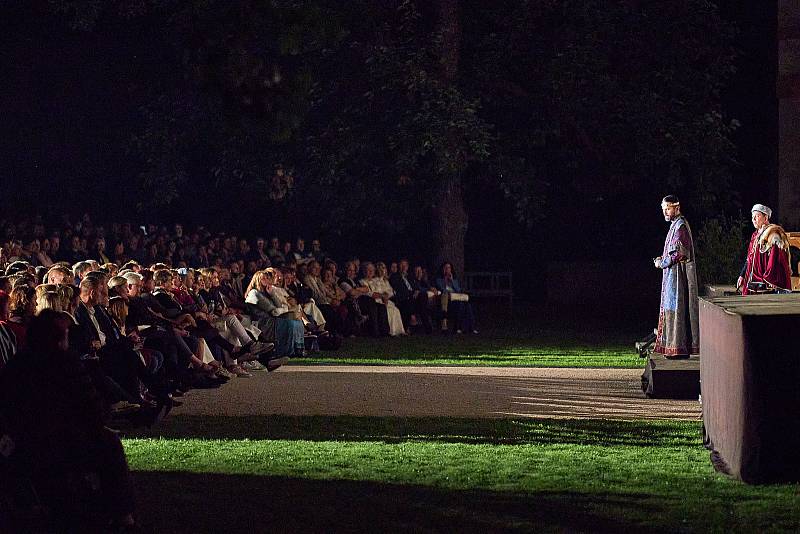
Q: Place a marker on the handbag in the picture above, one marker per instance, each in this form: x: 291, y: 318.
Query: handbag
x: 459, y: 297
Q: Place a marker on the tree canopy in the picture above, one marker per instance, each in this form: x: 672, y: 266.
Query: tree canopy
x: 568, y: 109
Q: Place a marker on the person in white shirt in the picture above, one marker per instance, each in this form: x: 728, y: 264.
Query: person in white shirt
x: 382, y: 292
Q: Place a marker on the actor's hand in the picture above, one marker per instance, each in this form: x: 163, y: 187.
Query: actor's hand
x: 657, y: 262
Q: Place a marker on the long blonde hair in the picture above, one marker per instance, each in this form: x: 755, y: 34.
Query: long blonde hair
x: 118, y: 310
x: 48, y: 300
x: 65, y: 296
x: 255, y: 281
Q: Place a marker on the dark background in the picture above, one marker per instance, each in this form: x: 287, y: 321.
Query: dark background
x: 71, y: 98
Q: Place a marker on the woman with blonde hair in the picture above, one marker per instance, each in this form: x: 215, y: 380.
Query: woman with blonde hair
x: 277, y: 321
x: 41, y: 289
x: 68, y: 297
x: 228, y: 324
x: 47, y: 300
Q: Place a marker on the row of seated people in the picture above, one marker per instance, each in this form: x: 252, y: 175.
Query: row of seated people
x: 119, y: 243
x: 135, y: 340
x: 394, y: 299
x: 387, y: 301
x: 130, y: 346
x: 232, y: 256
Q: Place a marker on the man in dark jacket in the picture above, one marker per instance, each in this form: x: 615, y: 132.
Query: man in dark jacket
x: 409, y: 297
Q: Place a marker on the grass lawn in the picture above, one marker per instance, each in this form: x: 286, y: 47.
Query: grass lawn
x: 531, y: 338
x: 488, y: 350
x: 363, y: 473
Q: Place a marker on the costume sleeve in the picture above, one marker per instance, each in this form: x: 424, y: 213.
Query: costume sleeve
x: 679, y: 250
x: 777, y: 271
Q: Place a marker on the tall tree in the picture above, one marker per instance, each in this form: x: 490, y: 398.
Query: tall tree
x: 450, y: 219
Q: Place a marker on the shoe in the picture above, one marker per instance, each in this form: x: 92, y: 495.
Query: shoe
x: 459, y: 331
x: 260, y: 348
x: 256, y: 349
x: 238, y: 371
x: 256, y: 366
x: 123, y: 407
x: 277, y: 362
x: 224, y: 373
x: 475, y: 332
x: 444, y: 325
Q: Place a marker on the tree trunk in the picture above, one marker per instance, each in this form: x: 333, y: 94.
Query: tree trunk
x: 450, y: 225
x: 450, y: 218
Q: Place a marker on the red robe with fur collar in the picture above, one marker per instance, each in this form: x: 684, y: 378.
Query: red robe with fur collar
x: 768, y: 261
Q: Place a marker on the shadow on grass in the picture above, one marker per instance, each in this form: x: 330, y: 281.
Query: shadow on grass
x: 429, y: 429
x: 185, y: 502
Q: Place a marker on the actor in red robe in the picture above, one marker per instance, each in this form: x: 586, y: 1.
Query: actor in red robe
x: 767, y: 265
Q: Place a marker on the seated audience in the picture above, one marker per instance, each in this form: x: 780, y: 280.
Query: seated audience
x: 362, y: 305
x: 141, y: 343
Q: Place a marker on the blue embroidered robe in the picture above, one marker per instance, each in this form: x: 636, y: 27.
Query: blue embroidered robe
x: 678, y: 325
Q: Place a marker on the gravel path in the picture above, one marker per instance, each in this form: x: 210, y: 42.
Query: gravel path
x: 406, y: 391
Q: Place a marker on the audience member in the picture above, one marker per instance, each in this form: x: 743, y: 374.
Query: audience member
x: 382, y: 292
x: 21, y: 308
x: 361, y: 303
x: 455, y: 305
x: 411, y: 299
x: 277, y: 319
x: 61, y: 429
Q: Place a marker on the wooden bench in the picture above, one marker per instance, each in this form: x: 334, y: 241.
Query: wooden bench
x: 490, y: 284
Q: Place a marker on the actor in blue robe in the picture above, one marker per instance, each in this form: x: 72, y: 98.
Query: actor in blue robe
x: 678, y: 333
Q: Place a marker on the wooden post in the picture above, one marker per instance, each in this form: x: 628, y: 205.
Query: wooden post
x: 788, y: 94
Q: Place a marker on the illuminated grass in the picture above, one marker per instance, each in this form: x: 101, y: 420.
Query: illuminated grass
x: 643, y: 474
x: 477, y: 351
